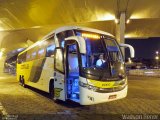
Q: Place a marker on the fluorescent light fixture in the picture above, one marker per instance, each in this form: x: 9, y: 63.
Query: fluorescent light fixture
x: 106, y: 16
x: 90, y: 35
x: 1, y: 53
x: 128, y: 21
x: 116, y: 21
x: 3, y: 49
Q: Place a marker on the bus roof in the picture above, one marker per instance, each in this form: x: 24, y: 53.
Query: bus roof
x: 61, y: 29
x: 78, y: 28
x: 35, y: 44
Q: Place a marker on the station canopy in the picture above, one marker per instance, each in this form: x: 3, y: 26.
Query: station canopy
x: 23, y: 21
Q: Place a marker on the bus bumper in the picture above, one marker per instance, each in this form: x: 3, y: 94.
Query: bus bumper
x: 88, y: 97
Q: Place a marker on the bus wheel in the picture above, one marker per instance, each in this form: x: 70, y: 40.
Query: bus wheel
x: 20, y: 80
x: 52, y: 93
x: 23, y: 83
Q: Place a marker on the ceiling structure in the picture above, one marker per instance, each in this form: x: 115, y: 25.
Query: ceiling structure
x: 23, y: 20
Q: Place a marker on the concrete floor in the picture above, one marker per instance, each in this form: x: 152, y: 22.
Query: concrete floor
x: 28, y: 103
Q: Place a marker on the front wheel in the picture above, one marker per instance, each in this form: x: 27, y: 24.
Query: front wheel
x: 23, y: 82
x: 20, y: 80
x: 52, y: 94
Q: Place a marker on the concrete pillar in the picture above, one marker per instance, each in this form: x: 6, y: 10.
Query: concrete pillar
x: 120, y: 30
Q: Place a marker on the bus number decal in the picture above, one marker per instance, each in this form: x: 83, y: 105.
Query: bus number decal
x: 57, y: 92
x: 91, y: 98
x: 25, y: 66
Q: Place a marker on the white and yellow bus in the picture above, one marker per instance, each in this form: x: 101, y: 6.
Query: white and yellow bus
x: 64, y: 64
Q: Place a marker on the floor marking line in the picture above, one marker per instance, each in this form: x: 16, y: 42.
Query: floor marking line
x: 3, y: 110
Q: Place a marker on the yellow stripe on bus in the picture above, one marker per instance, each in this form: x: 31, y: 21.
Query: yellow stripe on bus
x: 101, y: 84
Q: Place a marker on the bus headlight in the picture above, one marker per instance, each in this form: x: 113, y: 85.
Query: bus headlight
x: 90, y: 87
x: 83, y: 84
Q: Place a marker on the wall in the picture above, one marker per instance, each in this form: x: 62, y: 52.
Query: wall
x: 1, y: 65
x: 145, y: 72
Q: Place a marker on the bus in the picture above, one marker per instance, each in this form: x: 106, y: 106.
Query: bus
x: 10, y: 61
x: 64, y: 64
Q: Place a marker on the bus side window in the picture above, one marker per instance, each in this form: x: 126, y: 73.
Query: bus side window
x: 41, y: 53
x: 62, y: 35
x: 28, y: 57
x: 22, y: 58
x: 19, y: 60
x: 34, y: 54
x: 50, y: 50
x: 59, y: 60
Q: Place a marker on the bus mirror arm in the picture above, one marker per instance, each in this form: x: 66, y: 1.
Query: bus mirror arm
x: 81, y: 43
x: 132, y: 52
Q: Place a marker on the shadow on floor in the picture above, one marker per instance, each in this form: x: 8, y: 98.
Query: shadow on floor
x: 68, y: 103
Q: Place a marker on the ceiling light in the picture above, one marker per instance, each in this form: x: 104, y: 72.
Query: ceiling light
x: 128, y: 21
x: 1, y: 53
x: 116, y: 21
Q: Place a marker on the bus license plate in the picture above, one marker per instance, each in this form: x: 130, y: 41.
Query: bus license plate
x: 112, y: 96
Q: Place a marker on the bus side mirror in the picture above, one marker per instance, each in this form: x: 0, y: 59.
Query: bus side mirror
x: 132, y: 52
x: 82, y: 44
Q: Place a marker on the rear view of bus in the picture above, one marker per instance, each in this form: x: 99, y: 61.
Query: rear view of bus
x: 102, y: 73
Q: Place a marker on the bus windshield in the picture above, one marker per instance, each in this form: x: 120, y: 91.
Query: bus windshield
x: 102, y: 53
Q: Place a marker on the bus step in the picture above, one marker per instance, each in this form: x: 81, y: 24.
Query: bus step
x: 75, y: 100
x: 76, y: 92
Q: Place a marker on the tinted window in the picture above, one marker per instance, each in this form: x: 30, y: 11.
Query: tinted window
x: 62, y: 35
x: 59, y: 60
x: 28, y: 57
x: 50, y: 48
x: 34, y: 54
x: 41, y: 53
x: 22, y: 58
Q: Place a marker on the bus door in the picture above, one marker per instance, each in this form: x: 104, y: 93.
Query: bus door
x: 59, y: 75
x: 72, y: 70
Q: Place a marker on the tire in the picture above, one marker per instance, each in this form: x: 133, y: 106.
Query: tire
x: 51, y: 92
x: 20, y: 80
x: 23, y: 83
